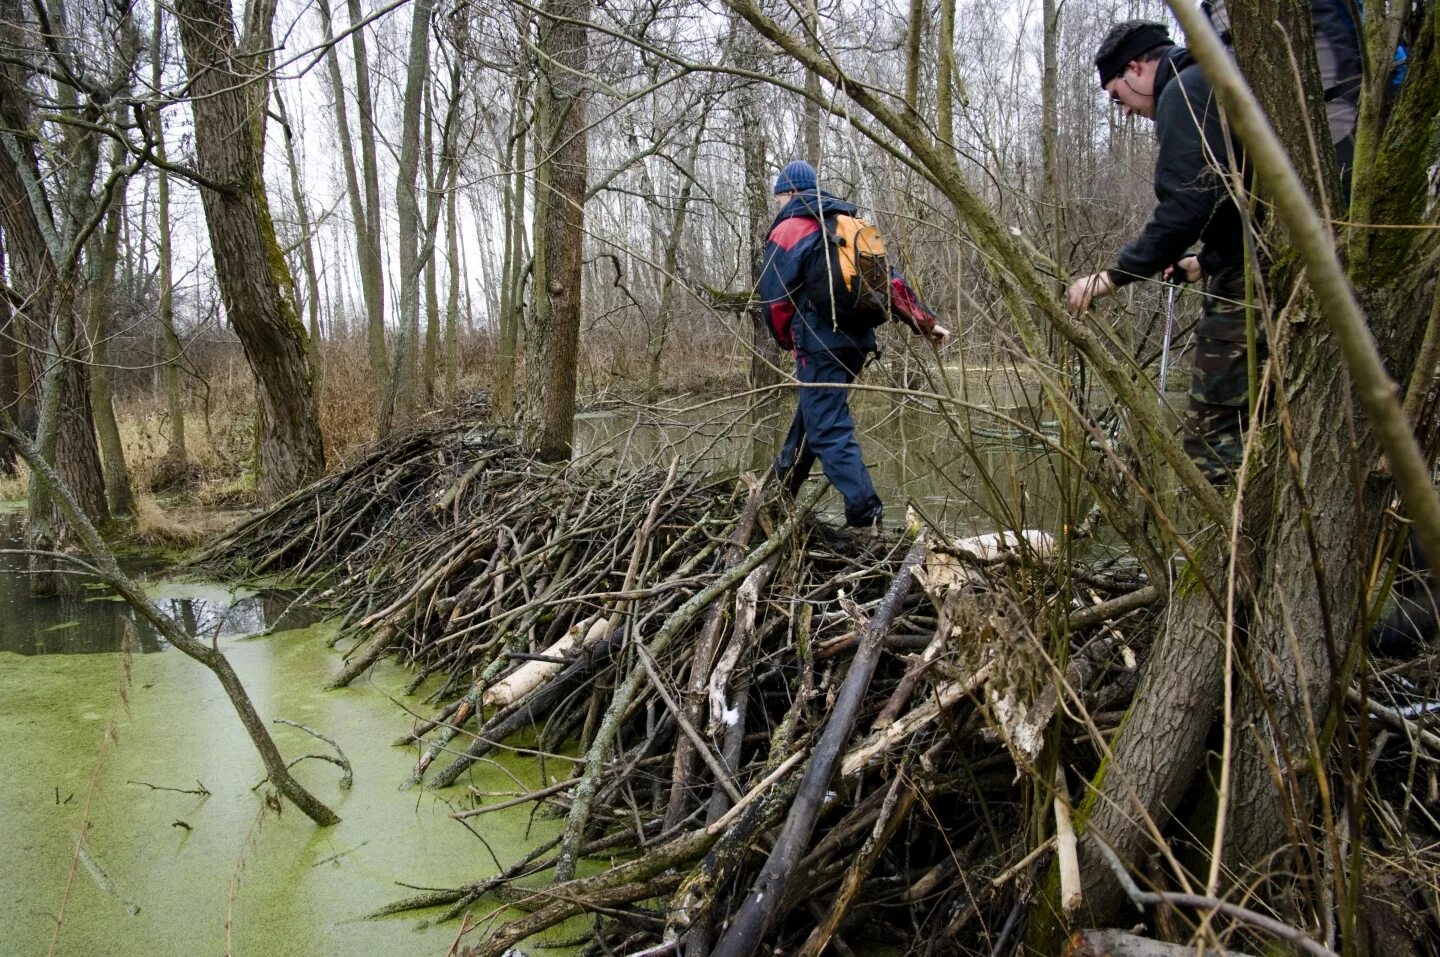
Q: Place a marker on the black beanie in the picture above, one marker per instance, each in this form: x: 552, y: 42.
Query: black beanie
x: 1128, y: 41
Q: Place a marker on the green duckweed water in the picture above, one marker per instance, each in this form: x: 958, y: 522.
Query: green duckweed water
x: 299, y: 889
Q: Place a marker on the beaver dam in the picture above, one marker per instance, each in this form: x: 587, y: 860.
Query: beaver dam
x: 756, y: 736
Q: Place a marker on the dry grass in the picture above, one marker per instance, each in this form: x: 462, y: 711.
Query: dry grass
x: 348, y: 400
x: 12, y: 488
x: 155, y: 526
x: 220, y: 407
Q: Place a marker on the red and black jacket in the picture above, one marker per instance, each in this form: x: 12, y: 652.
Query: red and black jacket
x: 794, y: 238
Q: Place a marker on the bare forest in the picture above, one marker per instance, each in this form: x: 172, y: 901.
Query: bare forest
x: 371, y: 278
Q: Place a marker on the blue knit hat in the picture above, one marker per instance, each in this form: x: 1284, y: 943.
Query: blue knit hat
x: 798, y: 176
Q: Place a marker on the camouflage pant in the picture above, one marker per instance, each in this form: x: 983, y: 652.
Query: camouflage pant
x: 1219, y: 411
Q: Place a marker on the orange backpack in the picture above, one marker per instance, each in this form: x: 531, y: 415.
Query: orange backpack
x: 848, y: 277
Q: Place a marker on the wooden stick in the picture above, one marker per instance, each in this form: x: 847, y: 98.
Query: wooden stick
x: 539, y: 795
x: 1072, y: 894
x: 892, y: 814
x: 762, y: 903
x: 1117, y: 943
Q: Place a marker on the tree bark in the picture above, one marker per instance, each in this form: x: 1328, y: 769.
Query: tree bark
x: 35, y: 231
x: 253, y: 278
x: 811, y: 105
x: 9, y: 371
x: 553, y: 331
x: 177, y: 457
x: 1160, y: 746
x: 1311, y: 606
x: 302, y: 223
x: 367, y: 242
x: 433, y: 200
x: 914, y: 41
x: 515, y: 257
x: 765, y: 358
x: 398, y: 406
x: 106, y: 252
x: 452, y: 298
x: 945, y: 70
x: 372, y: 257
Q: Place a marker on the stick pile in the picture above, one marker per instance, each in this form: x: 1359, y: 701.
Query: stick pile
x: 727, y: 671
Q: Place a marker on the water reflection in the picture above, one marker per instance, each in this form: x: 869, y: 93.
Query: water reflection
x: 86, y: 617
x: 966, y: 473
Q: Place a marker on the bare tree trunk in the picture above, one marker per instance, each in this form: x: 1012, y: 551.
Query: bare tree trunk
x: 249, y: 265
x: 515, y: 259
x: 372, y: 259
x: 106, y: 251
x: 307, y: 251
x: 812, y: 87
x: 432, y: 292
x: 398, y: 406
x: 765, y: 358
x: 452, y: 299
x: 945, y: 69
x: 10, y: 345
x: 553, y: 331
x: 41, y: 253
x: 177, y: 458
x: 1050, y: 121
x: 367, y: 242
x: 914, y: 36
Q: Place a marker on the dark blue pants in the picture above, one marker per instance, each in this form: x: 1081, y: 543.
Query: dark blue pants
x: 823, y: 428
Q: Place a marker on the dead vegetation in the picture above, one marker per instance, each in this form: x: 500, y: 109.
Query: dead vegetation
x: 717, y: 659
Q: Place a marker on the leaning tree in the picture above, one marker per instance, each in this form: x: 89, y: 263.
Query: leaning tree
x: 228, y: 94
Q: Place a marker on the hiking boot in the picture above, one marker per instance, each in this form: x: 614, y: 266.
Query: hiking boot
x: 850, y: 540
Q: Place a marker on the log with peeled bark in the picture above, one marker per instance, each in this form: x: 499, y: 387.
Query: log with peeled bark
x: 1118, y: 943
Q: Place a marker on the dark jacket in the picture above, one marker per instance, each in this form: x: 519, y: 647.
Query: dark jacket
x: 1192, y: 201
x: 793, y: 239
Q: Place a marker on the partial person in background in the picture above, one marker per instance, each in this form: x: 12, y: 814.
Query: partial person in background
x: 830, y: 336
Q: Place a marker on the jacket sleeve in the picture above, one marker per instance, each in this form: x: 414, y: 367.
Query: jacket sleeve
x: 907, y: 307
x: 1188, y: 185
x: 782, y: 276
x: 777, y: 304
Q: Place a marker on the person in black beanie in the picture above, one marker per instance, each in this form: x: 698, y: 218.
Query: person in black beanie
x: 1147, y: 74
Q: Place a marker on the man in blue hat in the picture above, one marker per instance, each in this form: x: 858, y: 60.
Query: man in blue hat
x: 825, y: 354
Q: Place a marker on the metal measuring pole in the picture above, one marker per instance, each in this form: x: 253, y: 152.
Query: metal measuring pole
x: 1165, y: 349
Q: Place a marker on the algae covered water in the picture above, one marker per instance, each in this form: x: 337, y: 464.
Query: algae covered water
x: 165, y: 872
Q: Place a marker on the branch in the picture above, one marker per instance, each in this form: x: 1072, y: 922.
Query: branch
x: 1146, y: 898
